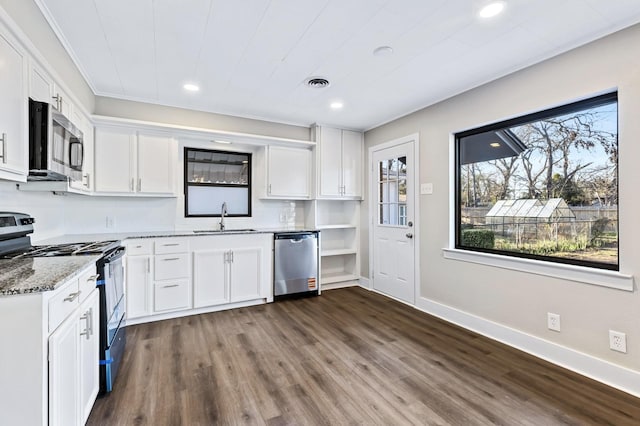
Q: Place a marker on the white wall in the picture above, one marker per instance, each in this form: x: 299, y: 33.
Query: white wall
x: 165, y: 114
x: 519, y: 300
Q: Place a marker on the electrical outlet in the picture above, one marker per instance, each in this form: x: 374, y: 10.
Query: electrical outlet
x: 110, y: 222
x: 617, y: 341
x: 553, y: 321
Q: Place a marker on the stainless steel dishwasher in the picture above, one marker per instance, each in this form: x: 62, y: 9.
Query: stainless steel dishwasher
x: 295, y: 268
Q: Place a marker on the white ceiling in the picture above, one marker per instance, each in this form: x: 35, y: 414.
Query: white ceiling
x: 251, y: 57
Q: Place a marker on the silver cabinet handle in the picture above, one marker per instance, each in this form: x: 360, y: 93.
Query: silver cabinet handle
x: 170, y: 285
x: 88, y: 316
x: 85, y: 180
x: 131, y: 185
x: 58, y: 99
x: 231, y: 253
x: 4, y: 148
x: 269, y: 189
x: 148, y: 265
x: 139, y: 184
x: 72, y: 296
x: 171, y: 244
x: 409, y: 235
x: 171, y: 258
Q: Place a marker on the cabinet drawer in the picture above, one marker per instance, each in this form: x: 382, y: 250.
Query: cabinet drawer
x: 170, y: 266
x: 171, y: 295
x: 138, y: 247
x: 87, y: 282
x: 171, y: 245
x: 63, y: 303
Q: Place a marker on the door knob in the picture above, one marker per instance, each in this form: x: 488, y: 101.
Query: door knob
x: 409, y: 235
x: 410, y: 224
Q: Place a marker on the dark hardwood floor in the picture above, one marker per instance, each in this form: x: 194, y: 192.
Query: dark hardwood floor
x: 346, y: 357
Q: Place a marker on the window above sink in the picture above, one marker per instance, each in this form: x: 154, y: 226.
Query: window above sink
x: 212, y: 178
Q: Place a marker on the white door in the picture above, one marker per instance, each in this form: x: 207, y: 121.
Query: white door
x: 113, y: 160
x: 392, y: 201
x: 330, y: 152
x: 138, y: 286
x: 289, y: 172
x: 351, y: 163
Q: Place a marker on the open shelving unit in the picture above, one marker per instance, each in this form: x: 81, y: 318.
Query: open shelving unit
x: 337, y: 221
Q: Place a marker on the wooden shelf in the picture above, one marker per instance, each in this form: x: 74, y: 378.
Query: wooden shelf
x: 338, y: 252
x: 337, y: 277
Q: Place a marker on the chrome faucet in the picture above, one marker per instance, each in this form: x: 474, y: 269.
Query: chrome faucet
x: 222, y: 214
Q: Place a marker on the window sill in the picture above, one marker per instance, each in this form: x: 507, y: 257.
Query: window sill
x: 579, y: 274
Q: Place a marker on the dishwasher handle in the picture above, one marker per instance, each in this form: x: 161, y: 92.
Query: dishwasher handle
x: 295, y: 236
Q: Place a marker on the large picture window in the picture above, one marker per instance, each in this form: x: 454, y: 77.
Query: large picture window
x: 543, y: 186
x: 212, y: 178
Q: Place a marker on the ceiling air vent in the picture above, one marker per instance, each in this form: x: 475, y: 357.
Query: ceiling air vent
x: 317, y: 82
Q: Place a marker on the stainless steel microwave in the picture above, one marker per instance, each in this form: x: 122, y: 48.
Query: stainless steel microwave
x: 56, y: 150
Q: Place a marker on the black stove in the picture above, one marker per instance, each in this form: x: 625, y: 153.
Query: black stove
x: 15, y: 243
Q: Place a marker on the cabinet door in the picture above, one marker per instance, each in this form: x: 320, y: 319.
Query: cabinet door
x: 86, y: 128
x: 113, y: 160
x: 40, y: 86
x: 13, y: 112
x: 138, y: 292
x: 89, y: 354
x: 289, y: 171
x: 155, y: 166
x: 64, y: 373
x: 352, y: 147
x: 210, y: 278
x: 245, y: 278
x: 171, y: 295
x: 330, y: 157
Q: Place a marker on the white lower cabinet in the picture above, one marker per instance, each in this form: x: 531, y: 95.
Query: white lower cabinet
x: 138, y: 282
x: 52, y: 364
x: 200, y: 272
x: 171, y: 295
x: 73, y: 365
x: 210, y: 282
x: 231, y: 269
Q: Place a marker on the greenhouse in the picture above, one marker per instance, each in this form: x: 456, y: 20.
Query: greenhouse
x: 526, y: 219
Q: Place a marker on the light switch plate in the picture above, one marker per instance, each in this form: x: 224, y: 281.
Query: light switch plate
x: 426, y: 188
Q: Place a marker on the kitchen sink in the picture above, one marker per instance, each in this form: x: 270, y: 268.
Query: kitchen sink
x: 226, y: 231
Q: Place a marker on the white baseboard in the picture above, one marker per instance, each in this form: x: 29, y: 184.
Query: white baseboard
x: 365, y: 282
x: 597, y: 369
x: 341, y: 284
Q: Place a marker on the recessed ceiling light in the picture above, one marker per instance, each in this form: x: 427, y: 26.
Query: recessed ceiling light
x: 223, y: 142
x: 336, y: 105
x: 383, y: 51
x: 494, y: 144
x: 492, y: 9
x: 190, y: 87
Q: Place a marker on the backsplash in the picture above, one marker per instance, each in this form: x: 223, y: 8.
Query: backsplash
x: 81, y: 214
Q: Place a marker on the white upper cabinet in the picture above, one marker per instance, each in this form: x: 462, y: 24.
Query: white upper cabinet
x: 40, y: 85
x: 288, y: 173
x: 155, y: 166
x: 127, y: 161
x: 339, y: 156
x: 114, y: 160
x: 13, y: 111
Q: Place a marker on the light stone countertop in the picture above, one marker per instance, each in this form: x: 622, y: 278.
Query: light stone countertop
x: 38, y: 274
